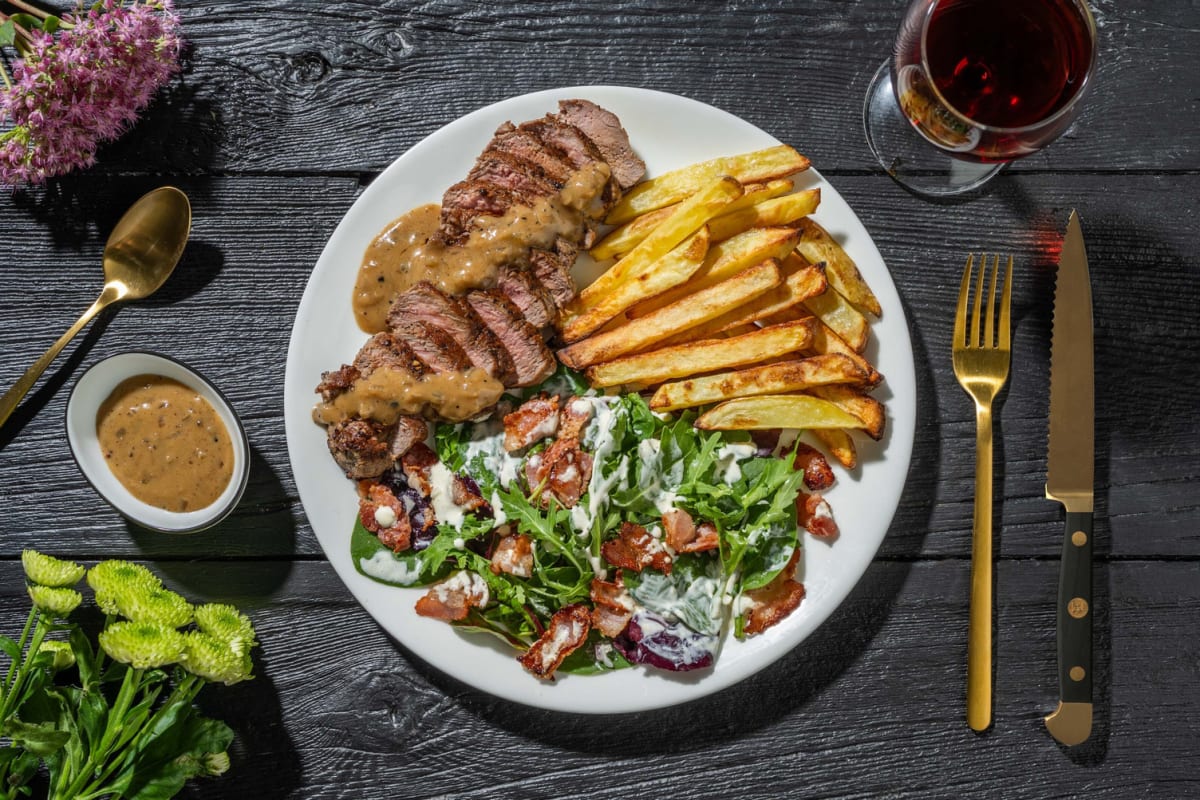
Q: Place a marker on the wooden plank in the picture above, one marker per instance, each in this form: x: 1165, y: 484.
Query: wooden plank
x: 347, y: 86
x: 870, y: 705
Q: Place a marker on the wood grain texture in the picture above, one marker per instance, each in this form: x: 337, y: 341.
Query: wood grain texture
x: 871, y: 705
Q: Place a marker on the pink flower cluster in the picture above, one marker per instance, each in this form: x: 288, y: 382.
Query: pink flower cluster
x: 84, y: 85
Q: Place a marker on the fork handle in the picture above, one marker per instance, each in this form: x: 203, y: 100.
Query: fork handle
x: 979, y: 629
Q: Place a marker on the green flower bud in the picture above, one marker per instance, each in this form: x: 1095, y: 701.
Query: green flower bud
x: 109, y: 577
x: 157, y: 606
x: 55, y: 601
x: 214, y: 660
x: 63, y: 657
x: 226, y: 624
x: 216, y: 763
x: 142, y: 645
x: 49, y: 571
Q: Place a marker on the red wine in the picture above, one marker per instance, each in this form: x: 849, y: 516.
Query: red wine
x: 1008, y: 63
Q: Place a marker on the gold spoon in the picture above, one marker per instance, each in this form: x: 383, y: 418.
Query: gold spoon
x: 139, y: 256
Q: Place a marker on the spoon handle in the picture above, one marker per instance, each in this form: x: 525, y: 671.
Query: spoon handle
x: 13, y: 396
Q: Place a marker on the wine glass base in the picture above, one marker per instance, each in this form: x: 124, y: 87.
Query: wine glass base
x: 912, y: 160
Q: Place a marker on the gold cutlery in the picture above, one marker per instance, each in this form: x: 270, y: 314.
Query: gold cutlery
x: 1070, y: 468
x: 140, y: 255
x: 981, y: 356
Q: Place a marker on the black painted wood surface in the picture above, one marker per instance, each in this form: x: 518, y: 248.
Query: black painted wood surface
x: 286, y: 110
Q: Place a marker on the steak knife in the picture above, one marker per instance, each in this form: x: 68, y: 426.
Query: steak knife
x: 1070, y: 470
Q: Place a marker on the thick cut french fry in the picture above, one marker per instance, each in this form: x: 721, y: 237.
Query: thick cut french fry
x: 826, y: 341
x: 838, y: 443
x: 817, y: 245
x: 694, y: 310
x: 725, y: 260
x: 776, y: 411
x: 623, y: 239
x: 836, y: 312
x: 671, y: 270
x: 778, y: 378
x: 710, y: 355
x: 686, y: 220
x: 769, y: 213
x: 867, y: 409
x: 754, y: 167
x: 805, y: 282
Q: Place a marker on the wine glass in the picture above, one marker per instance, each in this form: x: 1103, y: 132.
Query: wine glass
x: 982, y: 81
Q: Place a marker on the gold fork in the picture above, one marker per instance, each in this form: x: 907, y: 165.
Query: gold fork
x: 981, y: 366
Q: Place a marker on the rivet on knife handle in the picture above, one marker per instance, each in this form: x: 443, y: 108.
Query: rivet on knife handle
x: 1071, y: 722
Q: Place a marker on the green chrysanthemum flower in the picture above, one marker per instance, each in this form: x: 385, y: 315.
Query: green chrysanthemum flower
x: 142, y: 645
x: 115, y: 580
x: 49, y: 571
x: 62, y: 656
x: 55, y: 601
x: 226, y: 624
x: 158, y: 606
x: 216, y: 763
x: 214, y: 660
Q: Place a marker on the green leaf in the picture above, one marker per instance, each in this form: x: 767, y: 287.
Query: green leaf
x: 377, y: 562
x: 176, y: 751
x: 42, y: 738
x: 51, y: 23
x: 10, y: 649
x: 26, y: 21
x: 85, y: 657
x: 691, y: 593
x: 770, y: 553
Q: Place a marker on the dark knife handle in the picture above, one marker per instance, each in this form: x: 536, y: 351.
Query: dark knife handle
x: 1075, y: 611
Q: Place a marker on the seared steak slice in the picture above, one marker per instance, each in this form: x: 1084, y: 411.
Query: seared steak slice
x: 533, y: 360
x: 553, y: 271
x: 513, y: 172
x: 525, y: 145
x: 360, y: 447
x: 605, y: 131
x: 577, y: 150
x: 337, y: 381
x: 432, y: 345
x: 466, y: 200
x: 409, y: 431
x: 426, y: 303
x: 527, y: 294
x: 385, y: 350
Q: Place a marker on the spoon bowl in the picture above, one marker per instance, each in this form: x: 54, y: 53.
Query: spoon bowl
x: 140, y: 255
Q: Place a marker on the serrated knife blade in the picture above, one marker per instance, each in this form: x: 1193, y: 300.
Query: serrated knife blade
x: 1070, y: 479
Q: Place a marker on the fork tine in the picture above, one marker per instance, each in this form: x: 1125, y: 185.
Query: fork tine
x: 989, y: 326
x: 974, y: 340
x: 960, y: 313
x: 1006, y: 308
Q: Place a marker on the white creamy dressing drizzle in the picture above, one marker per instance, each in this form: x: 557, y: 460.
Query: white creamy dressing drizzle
x: 466, y: 583
x: 498, y: 509
x: 382, y: 565
x: 488, y: 444
x: 441, y: 495
x: 729, y: 458
x: 385, y: 517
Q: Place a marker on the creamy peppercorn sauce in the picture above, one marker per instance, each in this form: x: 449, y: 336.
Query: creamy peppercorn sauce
x: 409, y: 251
x: 165, y: 443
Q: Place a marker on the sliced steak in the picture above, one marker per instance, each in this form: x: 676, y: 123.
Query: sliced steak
x: 533, y: 360
x: 337, y: 381
x: 409, y: 431
x: 428, y: 304
x: 386, y: 350
x: 514, y: 172
x: 466, y: 200
x: 360, y: 447
x: 603, y: 128
x: 527, y: 294
x: 577, y: 150
x: 432, y: 345
x: 526, y: 146
x: 553, y: 271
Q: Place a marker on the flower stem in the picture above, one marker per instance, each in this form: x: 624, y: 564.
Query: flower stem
x: 24, y: 633
x: 29, y: 8
x: 8, y: 707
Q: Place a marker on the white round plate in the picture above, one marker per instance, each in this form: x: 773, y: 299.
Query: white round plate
x: 668, y: 132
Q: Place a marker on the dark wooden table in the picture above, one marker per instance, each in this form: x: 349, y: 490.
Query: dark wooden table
x: 286, y: 110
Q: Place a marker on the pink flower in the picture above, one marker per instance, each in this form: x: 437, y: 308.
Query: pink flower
x: 84, y: 85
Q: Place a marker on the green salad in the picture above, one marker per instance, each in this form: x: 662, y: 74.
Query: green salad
x: 604, y: 574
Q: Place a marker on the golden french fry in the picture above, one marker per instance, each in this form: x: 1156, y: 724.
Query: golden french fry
x: 825, y: 340
x: 838, y: 444
x: 725, y: 260
x: 623, y: 239
x: 776, y: 411
x: 670, y: 187
x: 836, y: 312
x: 805, y: 282
x: 817, y: 245
x: 778, y: 378
x: 709, y: 355
x: 769, y: 213
x: 671, y: 270
x: 867, y: 409
x: 693, y: 310
x: 686, y: 220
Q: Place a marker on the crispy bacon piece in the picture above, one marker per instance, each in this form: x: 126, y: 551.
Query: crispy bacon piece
x: 568, y: 629
x: 562, y: 470
x: 453, y: 598
x: 818, y: 475
x: 465, y: 494
x: 513, y: 555
x: 684, y: 536
x: 772, y: 603
x: 378, y: 505
x: 612, y: 607
x: 636, y: 549
x: 536, y: 419
x: 574, y: 418
x: 416, y: 463
x: 815, y: 516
